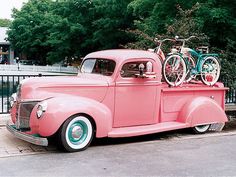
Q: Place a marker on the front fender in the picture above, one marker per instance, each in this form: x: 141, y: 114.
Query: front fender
x: 201, y: 110
x: 61, y: 108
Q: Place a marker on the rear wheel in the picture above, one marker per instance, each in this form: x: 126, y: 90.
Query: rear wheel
x: 174, y: 70
x: 210, y: 71
x: 76, y: 133
x: 200, y: 129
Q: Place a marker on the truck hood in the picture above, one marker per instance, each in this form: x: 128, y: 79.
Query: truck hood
x: 86, y: 85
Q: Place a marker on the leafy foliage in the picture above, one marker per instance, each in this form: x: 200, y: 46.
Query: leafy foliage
x: 5, y: 22
x: 51, y: 30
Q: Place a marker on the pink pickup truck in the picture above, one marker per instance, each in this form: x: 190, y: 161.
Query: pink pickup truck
x: 117, y: 93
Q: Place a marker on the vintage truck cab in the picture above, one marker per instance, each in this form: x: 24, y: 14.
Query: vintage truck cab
x: 117, y: 93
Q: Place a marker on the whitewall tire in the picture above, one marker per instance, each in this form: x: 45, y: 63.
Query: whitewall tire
x: 76, y: 133
x: 200, y: 129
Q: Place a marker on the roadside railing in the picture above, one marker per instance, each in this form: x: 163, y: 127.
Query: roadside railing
x: 35, y: 68
x: 230, y: 97
x: 8, y: 86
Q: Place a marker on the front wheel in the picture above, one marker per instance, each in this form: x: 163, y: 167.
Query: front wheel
x: 200, y: 129
x: 76, y: 133
x: 210, y: 71
x: 174, y: 70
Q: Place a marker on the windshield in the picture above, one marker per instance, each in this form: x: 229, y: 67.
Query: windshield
x: 98, y: 66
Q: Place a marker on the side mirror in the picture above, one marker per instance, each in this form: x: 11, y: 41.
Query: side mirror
x: 141, y: 69
x: 148, y: 73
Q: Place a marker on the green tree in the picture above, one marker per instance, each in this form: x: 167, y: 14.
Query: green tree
x: 69, y: 28
x: 53, y: 30
x: 5, y: 22
x: 215, y: 19
x: 111, y: 21
x: 29, y: 31
x: 84, y: 26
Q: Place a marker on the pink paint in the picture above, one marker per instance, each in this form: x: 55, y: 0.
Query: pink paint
x: 122, y: 106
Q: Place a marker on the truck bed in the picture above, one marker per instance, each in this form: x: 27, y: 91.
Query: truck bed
x: 174, y: 98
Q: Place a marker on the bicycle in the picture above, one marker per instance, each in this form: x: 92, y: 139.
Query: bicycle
x: 158, y: 49
x: 207, y: 66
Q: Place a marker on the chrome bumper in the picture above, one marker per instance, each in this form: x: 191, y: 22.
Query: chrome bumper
x: 26, y: 137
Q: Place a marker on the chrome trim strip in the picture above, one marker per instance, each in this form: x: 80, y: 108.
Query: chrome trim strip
x: 30, y: 100
x: 29, y: 138
x: 18, y: 117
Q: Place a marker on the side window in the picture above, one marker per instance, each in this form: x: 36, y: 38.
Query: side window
x: 105, y: 67
x: 131, y: 69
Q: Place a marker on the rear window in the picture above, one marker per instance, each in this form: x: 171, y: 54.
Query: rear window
x: 131, y: 69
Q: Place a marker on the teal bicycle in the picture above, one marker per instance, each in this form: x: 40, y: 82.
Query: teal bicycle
x: 181, y: 67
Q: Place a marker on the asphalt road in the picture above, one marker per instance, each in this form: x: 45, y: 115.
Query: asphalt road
x: 172, y: 154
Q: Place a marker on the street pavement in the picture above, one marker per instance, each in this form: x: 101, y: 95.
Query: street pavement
x: 169, y: 154
x: 11, y: 146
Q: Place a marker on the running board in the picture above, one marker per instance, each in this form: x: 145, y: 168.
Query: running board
x: 146, y: 129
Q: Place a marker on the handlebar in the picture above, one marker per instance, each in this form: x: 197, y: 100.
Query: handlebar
x: 174, y: 40
x: 163, y: 40
x: 159, y: 42
x: 186, y: 39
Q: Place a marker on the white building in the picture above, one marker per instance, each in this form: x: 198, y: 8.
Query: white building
x: 6, y: 52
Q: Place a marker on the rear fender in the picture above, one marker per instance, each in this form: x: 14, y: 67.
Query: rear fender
x: 61, y: 108
x: 200, y: 111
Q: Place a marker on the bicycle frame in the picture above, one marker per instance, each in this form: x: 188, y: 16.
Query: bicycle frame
x: 206, y: 66
x: 199, y: 61
x: 158, y: 50
x: 188, y: 54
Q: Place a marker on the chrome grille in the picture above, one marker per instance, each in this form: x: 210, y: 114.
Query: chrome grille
x: 23, y: 114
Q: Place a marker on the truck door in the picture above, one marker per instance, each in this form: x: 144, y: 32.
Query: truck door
x: 135, y: 97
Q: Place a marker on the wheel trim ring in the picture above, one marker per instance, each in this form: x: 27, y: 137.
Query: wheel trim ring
x: 184, y: 71
x: 87, y: 139
x: 202, y: 128
x: 218, y: 72
x: 82, y: 137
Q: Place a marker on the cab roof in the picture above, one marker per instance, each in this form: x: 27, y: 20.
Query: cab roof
x: 119, y: 55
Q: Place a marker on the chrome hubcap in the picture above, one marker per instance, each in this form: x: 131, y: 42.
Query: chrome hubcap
x: 77, y: 132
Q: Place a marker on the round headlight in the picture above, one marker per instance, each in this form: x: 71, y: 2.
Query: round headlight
x: 12, y: 99
x: 42, y: 107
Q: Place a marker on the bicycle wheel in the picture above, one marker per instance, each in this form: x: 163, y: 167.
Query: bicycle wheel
x: 174, y: 70
x: 190, y: 65
x: 210, y: 70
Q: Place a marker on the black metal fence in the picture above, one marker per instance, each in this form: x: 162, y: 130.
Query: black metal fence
x: 231, y: 93
x: 9, y: 83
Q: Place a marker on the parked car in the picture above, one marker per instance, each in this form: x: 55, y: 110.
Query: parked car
x: 118, y: 93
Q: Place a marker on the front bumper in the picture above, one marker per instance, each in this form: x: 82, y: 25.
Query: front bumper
x: 34, y: 139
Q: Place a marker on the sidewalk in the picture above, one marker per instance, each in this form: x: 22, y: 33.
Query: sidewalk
x: 11, y: 146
